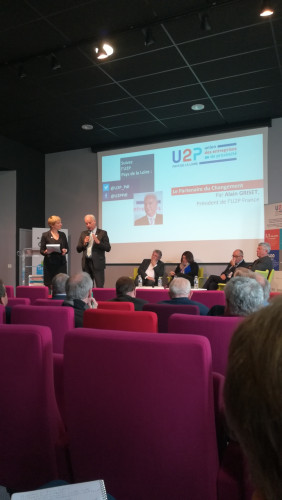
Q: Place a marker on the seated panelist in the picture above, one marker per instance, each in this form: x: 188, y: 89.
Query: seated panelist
x: 236, y: 261
x: 187, y: 268
x: 151, y: 270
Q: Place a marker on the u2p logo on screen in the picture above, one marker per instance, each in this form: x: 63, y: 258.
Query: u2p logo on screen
x: 186, y: 155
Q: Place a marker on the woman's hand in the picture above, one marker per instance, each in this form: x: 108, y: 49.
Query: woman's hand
x: 64, y: 251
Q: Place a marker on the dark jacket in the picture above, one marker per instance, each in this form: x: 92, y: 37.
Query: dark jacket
x: 184, y: 300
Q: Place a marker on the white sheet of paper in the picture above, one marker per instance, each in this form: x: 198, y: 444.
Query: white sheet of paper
x: 54, y: 247
x: 91, y: 490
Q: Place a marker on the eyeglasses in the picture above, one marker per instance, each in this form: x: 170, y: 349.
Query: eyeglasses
x: 236, y: 256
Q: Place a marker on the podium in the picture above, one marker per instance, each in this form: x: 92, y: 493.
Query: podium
x: 29, y: 267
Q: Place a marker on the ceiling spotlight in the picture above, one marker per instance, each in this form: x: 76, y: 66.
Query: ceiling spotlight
x: 197, y: 107
x: 104, y: 50
x: 205, y: 22
x: 148, y: 37
x: 87, y: 126
x: 266, y: 9
x: 55, y: 64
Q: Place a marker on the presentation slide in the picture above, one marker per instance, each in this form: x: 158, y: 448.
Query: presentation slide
x: 206, y: 196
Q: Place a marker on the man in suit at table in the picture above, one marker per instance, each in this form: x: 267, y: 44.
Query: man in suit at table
x: 150, y: 207
x: 151, y: 269
x: 94, y: 242
x: 180, y: 293
x: 236, y: 261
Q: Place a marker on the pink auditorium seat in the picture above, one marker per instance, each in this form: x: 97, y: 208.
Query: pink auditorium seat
x: 32, y: 292
x: 209, y: 297
x: 153, y: 295
x: 2, y: 314
x: 149, y: 429
x: 137, y: 321
x: 9, y: 290
x: 164, y: 311
x: 103, y: 293
x: 118, y: 306
x: 18, y: 301
x: 218, y: 329
x: 32, y: 433
x: 48, y: 302
x: 59, y: 319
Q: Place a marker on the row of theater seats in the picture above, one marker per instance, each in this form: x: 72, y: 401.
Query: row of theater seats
x: 140, y: 410
x: 33, y: 293
x: 160, y: 318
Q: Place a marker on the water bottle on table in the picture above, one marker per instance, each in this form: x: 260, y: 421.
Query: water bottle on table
x: 140, y: 281
x: 160, y: 281
x: 196, y: 283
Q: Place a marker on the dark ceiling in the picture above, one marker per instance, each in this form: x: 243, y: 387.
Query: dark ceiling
x: 141, y: 93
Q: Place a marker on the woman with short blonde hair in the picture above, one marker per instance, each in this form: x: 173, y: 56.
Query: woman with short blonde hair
x: 55, y: 261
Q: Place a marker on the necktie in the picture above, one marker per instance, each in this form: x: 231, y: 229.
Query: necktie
x: 89, y: 247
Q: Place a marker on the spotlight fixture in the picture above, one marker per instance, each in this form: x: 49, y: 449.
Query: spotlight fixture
x: 87, y: 126
x: 197, y: 107
x: 104, y: 50
x: 148, y: 37
x: 266, y: 8
x: 55, y: 64
x: 205, y: 22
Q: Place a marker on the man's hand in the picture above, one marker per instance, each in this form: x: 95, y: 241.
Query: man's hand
x: 150, y: 278
x: 223, y: 276
x: 86, y: 240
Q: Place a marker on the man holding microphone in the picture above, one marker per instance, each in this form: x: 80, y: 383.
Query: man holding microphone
x: 94, y: 242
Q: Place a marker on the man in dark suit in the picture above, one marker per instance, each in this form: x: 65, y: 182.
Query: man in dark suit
x: 236, y: 261
x: 125, y: 290
x: 180, y: 292
x: 264, y: 262
x: 150, y: 207
x: 151, y: 270
x: 94, y: 242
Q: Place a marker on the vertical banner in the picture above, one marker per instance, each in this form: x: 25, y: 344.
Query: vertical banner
x: 273, y: 232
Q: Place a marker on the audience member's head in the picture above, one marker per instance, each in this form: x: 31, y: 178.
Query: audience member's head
x: 59, y: 284
x: 245, y: 272
x: 263, y: 249
x: 125, y: 286
x: 243, y: 296
x: 79, y: 286
x: 179, y: 287
x: 253, y: 399
x: 3, y: 294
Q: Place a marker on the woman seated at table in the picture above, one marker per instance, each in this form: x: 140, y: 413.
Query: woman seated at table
x: 187, y: 268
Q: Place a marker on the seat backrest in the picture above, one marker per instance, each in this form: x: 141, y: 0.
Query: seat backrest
x: 218, y: 329
x: 104, y: 293
x: 135, y: 321
x: 270, y: 276
x: 263, y: 273
x: 153, y: 295
x: 48, y: 302
x: 209, y: 297
x: 149, y: 428
x: 17, y: 301
x: 10, y: 290
x: 31, y: 427
x: 32, y: 292
x: 2, y: 314
x: 164, y: 311
x: 59, y: 319
x: 120, y: 306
